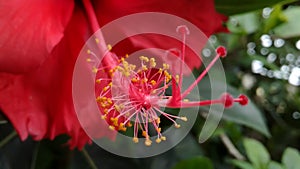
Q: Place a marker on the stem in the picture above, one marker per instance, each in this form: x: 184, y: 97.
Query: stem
x: 192, y: 86
x: 89, y: 159
x: 3, y: 122
x: 35, y: 154
x: 231, y: 148
x: 8, y: 138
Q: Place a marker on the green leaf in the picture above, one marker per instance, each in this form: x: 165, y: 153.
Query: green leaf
x: 242, y: 164
x: 257, y: 153
x: 194, y: 163
x: 230, y: 7
x: 291, y: 158
x: 244, y: 23
x: 274, y: 165
x: 290, y: 28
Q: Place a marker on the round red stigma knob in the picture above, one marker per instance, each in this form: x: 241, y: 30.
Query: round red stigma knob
x: 243, y: 100
x: 183, y: 29
x: 227, y: 100
x: 221, y: 51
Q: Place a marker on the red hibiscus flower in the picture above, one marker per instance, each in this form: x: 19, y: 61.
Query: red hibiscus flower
x: 40, y: 42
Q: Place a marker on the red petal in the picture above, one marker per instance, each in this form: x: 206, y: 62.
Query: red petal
x: 200, y: 13
x: 40, y: 103
x: 29, y: 31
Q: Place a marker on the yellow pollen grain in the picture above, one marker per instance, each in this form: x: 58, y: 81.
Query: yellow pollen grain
x: 98, y: 81
x: 145, y: 134
x: 152, y: 62
x: 166, y: 66
x: 177, y: 126
x: 157, y: 120
x: 122, y: 127
x: 88, y: 60
x: 148, y: 142
x: 128, y: 124
x: 163, y: 138
x: 97, y: 40
x: 186, y: 100
x: 109, y: 47
x: 111, y: 127
x: 98, y: 99
x: 177, y: 78
x: 94, y: 70
x: 153, y: 82
x: 105, y: 88
x: 144, y: 58
x: 103, y: 117
x: 183, y: 118
x: 134, y: 80
x: 88, y: 51
x: 135, y: 140
x: 144, y: 67
x: 117, y: 107
x: 158, y: 140
x: 114, y: 121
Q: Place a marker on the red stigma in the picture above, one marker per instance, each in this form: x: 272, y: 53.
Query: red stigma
x: 221, y: 51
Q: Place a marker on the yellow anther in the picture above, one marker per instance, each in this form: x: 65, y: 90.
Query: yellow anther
x: 94, y: 70
x: 154, y: 91
x: 144, y: 58
x: 157, y: 120
x: 135, y: 140
x: 177, y: 126
x: 152, y: 62
x: 148, y: 142
x: 88, y: 51
x: 105, y: 111
x: 144, y: 67
x: 177, y: 78
x: 126, y: 56
x: 98, y: 81
x: 166, y: 66
x: 106, y: 88
x: 114, y: 121
x: 183, y: 118
x: 128, y: 124
x: 109, y: 101
x: 122, y: 127
x: 88, y: 60
x: 98, y: 99
x: 145, y: 80
x: 117, y: 107
x: 110, y: 84
x: 109, y: 47
x: 153, y: 82
x: 97, y: 40
x: 103, y: 117
x: 134, y: 80
x: 158, y: 130
x: 163, y: 138
x: 111, y: 127
x: 186, y: 100
x: 145, y: 134
x: 160, y: 70
x: 158, y: 140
